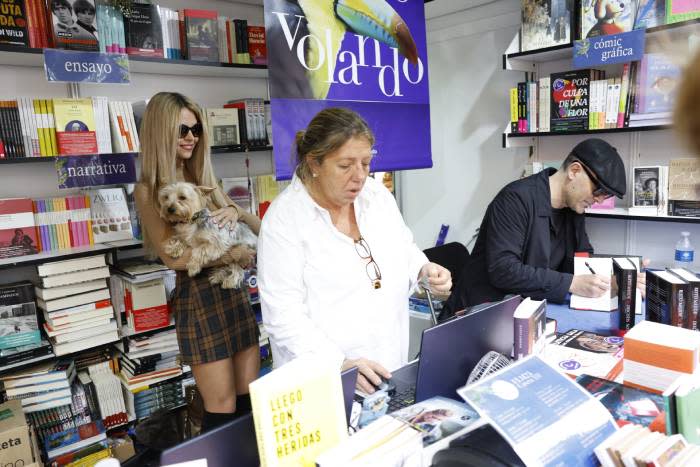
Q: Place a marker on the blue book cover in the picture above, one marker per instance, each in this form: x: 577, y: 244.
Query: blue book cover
x: 73, y: 438
x: 650, y: 13
x: 546, y: 417
x: 658, y: 83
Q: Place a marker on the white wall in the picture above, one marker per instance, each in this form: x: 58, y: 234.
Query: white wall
x: 468, y: 115
x: 469, y: 110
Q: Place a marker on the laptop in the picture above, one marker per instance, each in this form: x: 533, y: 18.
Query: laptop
x: 349, y: 380
x: 450, y: 350
x: 234, y: 440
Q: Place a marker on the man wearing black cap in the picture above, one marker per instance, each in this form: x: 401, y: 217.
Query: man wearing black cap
x: 533, y: 227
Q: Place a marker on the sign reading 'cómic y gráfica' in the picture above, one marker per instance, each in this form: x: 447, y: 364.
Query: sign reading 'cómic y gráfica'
x: 367, y: 55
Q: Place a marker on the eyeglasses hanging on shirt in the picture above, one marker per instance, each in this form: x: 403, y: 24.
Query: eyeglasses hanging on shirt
x: 372, y: 269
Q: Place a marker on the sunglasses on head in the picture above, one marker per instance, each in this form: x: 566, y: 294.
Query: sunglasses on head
x: 196, y: 130
x: 598, y: 191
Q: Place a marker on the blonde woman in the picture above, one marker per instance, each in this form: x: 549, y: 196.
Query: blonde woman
x: 216, y: 328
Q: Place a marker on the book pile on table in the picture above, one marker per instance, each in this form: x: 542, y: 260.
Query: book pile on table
x: 146, y: 360
x: 75, y: 301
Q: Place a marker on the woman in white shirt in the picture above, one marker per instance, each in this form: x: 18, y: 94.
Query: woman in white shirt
x: 336, y: 262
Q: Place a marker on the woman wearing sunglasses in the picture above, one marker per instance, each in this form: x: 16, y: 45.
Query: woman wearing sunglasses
x: 216, y: 328
x: 336, y: 262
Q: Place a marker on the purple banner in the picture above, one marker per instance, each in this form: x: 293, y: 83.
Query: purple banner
x: 367, y: 55
x: 96, y: 170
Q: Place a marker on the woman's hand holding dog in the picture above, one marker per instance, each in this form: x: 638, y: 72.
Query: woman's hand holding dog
x: 226, y: 217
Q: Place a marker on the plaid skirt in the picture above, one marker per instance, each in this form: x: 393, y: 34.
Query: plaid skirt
x: 212, y: 323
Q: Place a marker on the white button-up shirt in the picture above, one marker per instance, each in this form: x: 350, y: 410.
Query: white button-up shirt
x: 316, y: 295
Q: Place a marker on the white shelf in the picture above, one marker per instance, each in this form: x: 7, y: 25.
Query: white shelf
x: 69, y: 252
x: 35, y: 58
x: 623, y: 213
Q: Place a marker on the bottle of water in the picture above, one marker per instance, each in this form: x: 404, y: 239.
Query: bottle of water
x: 684, y: 252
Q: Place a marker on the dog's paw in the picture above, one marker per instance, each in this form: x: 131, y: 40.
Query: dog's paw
x: 234, y: 278
x: 218, y: 276
x: 174, y: 248
x: 193, y: 268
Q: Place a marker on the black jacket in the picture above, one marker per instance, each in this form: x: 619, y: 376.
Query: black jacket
x: 511, y: 254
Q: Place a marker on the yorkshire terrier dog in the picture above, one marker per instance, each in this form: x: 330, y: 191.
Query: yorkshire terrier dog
x: 184, y: 205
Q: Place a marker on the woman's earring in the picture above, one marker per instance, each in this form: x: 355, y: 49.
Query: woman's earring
x: 314, y: 174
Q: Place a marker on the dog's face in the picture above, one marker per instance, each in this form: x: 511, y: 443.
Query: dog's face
x: 608, y: 9
x: 180, y: 201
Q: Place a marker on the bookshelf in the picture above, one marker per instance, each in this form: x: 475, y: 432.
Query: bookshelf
x: 29, y: 57
x: 507, y: 136
x: 527, y: 61
x: 68, y: 253
x: 213, y: 150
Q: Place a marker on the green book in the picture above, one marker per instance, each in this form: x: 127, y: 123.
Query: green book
x: 688, y: 408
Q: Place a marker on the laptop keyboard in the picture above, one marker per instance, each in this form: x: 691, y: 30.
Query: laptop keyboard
x: 402, y: 399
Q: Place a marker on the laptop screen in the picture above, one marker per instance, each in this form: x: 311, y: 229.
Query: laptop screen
x: 234, y: 440
x: 349, y: 380
x: 449, y: 351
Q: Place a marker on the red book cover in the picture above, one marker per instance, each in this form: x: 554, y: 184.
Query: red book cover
x: 17, y: 230
x: 256, y: 45
x: 151, y: 318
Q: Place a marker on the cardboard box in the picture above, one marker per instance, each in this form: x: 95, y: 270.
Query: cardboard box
x: 15, y: 446
x: 123, y: 449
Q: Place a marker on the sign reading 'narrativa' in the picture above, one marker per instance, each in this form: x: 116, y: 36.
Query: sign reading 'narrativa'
x: 605, y: 50
x: 96, y: 170
x: 86, y: 67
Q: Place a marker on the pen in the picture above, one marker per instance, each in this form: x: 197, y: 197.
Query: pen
x: 589, y: 267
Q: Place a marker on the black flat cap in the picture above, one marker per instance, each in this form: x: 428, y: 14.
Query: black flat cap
x: 604, y: 161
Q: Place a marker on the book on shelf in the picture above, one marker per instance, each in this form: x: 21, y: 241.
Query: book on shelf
x: 74, y: 439
x: 58, y: 370
x: 546, y: 24
x: 68, y: 32
x: 561, y: 430
x: 93, y: 341
x: 657, y: 354
x: 569, y: 94
x: 650, y: 13
x: 529, y: 323
x: 692, y: 303
x: 142, y: 30
x: 629, y: 298
x: 257, y: 47
x: 577, y: 352
x: 223, y: 126
x: 304, y: 395
x: 144, y: 304
x: 657, y: 79
x: 627, y: 404
x: 111, y: 220
x: 26, y: 354
x: 601, y: 19
x: 650, y: 191
x: 683, y: 188
x: 124, y: 133
x: 241, y: 191
x: 201, y: 35
x: 68, y: 318
x: 13, y: 19
x: 677, y: 10
x: 73, y: 301
x: 18, y: 316
x: 61, y: 291
x: 18, y: 235
x: 75, y: 126
x: 12, y: 141
x: 52, y: 268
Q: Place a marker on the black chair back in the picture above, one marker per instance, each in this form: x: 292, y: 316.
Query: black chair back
x: 452, y: 256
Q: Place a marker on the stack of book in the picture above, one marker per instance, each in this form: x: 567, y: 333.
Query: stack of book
x: 20, y: 339
x: 75, y: 301
x: 41, y: 387
x: 152, y: 358
x: 107, y: 390
x: 145, y: 400
x: 139, y: 295
x: 657, y: 354
x: 637, y: 445
x: 682, y: 399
